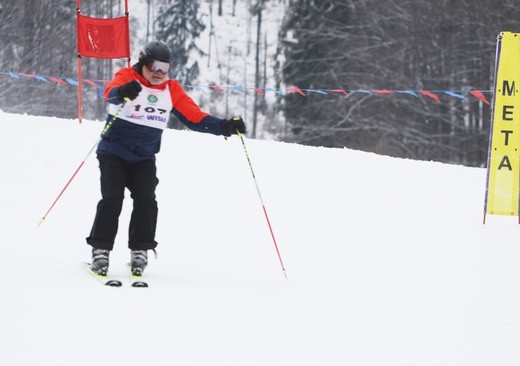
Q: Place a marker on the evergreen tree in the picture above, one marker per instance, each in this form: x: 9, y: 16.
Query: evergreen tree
x: 179, y: 26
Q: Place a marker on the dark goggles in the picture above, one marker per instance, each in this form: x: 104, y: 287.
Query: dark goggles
x: 158, y: 66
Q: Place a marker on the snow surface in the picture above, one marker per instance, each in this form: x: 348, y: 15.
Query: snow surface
x: 388, y: 261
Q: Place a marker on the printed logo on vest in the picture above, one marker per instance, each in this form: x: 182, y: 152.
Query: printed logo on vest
x: 149, y: 109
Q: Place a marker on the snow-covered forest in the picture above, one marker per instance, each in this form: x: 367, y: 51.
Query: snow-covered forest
x: 392, y: 77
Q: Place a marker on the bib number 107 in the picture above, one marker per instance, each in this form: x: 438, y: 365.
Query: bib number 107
x: 150, y: 109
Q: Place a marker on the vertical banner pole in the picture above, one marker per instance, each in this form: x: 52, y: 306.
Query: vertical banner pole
x: 128, y: 30
x: 80, y: 91
x: 497, y: 60
x: 80, y: 81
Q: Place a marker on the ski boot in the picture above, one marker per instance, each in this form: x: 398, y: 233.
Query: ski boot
x: 100, y: 261
x: 138, y: 262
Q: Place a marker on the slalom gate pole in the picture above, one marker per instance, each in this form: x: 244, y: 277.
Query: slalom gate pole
x: 241, y: 135
x: 105, y: 130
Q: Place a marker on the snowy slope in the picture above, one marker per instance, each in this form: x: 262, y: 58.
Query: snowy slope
x: 388, y: 262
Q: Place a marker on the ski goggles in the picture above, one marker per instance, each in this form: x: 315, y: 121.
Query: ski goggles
x: 158, y: 66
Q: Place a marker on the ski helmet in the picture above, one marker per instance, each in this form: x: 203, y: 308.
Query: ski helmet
x: 155, y: 50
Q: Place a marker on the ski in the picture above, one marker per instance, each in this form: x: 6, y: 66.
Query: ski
x: 138, y: 282
x: 137, y: 279
x: 105, y: 280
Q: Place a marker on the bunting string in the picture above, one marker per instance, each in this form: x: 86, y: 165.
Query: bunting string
x: 431, y: 94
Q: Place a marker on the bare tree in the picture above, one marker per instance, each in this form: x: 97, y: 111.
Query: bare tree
x: 43, y: 44
x: 257, y: 11
x: 394, y: 44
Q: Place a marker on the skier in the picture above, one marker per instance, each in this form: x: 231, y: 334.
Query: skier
x: 140, y: 100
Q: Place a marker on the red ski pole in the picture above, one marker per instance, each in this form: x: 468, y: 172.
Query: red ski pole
x: 70, y: 180
x: 262, y: 202
x: 107, y: 127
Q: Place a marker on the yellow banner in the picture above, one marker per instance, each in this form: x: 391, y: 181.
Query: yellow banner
x: 503, y: 174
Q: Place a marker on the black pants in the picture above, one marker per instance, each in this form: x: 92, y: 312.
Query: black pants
x: 141, y: 180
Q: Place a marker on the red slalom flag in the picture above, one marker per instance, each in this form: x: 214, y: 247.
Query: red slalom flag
x: 103, y: 38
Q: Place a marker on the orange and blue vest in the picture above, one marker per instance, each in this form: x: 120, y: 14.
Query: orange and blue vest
x: 135, y: 134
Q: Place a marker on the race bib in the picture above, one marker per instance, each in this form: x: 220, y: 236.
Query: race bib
x: 151, y: 108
